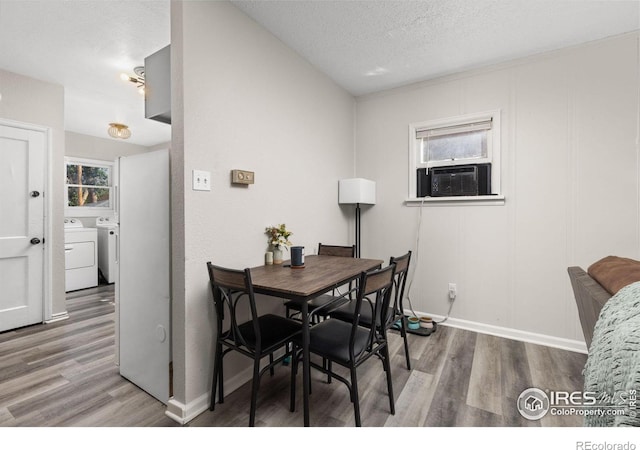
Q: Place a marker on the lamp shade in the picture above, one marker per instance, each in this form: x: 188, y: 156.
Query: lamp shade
x: 357, y: 190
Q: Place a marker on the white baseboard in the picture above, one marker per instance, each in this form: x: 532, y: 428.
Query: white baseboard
x: 511, y: 333
x: 176, y: 411
x: 184, y: 414
x: 58, y: 317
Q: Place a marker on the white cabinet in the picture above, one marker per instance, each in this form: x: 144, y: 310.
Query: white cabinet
x: 157, y: 88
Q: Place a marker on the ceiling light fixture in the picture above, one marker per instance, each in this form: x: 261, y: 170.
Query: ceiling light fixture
x: 119, y: 130
x: 138, y: 79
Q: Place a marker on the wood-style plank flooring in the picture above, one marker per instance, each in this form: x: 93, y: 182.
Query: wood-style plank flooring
x: 63, y: 374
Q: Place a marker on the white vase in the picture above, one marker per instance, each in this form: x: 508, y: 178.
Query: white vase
x: 277, y: 256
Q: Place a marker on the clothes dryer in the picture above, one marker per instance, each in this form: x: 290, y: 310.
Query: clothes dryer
x: 80, y: 255
x: 107, y: 247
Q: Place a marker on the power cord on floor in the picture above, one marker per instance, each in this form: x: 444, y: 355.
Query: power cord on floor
x: 417, y: 260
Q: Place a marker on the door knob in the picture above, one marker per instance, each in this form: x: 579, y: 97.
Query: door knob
x: 35, y: 241
x: 35, y: 193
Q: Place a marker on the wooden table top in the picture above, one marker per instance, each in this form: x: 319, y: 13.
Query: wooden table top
x: 320, y: 274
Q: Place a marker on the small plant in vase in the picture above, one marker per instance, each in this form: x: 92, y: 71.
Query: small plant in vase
x: 278, y: 238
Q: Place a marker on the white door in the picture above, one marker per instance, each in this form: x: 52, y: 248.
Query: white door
x: 21, y: 227
x: 144, y: 271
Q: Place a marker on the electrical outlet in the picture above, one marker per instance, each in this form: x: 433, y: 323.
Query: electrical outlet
x: 453, y: 291
x: 201, y: 180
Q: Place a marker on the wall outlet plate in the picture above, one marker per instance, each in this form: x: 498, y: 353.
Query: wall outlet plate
x: 242, y: 177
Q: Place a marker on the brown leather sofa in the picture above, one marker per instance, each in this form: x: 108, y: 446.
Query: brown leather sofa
x: 590, y: 298
x: 593, y: 288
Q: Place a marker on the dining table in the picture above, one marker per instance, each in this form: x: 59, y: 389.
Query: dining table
x: 318, y: 275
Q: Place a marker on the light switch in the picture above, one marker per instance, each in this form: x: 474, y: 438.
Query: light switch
x: 201, y: 180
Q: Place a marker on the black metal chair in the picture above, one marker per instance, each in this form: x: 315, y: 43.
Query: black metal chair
x: 324, y: 304
x: 349, y: 344
x: 255, y: 338
x: 396, y: 314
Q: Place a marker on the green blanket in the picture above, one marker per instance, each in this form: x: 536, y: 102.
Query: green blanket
x: 613, y: 365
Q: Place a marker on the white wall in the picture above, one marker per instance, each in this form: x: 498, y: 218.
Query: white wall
x: 569, y: 173
x: 36, y: 102
x: 243, y: 100
x: 101, y: 149
x: 104, y: 149
x: 161, y: 146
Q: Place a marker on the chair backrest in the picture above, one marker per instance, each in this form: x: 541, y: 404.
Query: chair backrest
x: 399, y: 282
x: 337, y: 250
x: 229, y: 286
x: 374, y: 287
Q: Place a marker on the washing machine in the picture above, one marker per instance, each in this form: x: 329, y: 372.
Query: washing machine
x: 107, y: 241
x: 80, y: 255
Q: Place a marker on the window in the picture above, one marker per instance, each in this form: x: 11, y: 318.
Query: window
x: 89, y: 186
x: 455, y: 141
x: 451, y: 145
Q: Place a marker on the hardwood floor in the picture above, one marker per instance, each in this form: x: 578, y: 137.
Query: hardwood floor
x: 458, y: 378
x: 63, y: 374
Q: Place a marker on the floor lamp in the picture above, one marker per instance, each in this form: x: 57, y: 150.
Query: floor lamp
x: 357, y: 191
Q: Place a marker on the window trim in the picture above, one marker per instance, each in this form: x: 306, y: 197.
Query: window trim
x: 87, y: 211
x: 493, y: 157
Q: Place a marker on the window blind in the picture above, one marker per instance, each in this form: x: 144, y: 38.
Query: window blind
x: 455, y: 129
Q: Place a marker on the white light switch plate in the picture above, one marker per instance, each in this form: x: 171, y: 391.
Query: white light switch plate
x: 201, y: 180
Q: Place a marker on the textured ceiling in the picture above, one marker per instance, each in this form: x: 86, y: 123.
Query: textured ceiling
x: 84, y: 46
x: 364, y: 46
x: 368, y: 46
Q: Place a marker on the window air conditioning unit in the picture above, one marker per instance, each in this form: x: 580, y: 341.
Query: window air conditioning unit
x: 453, y: 181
